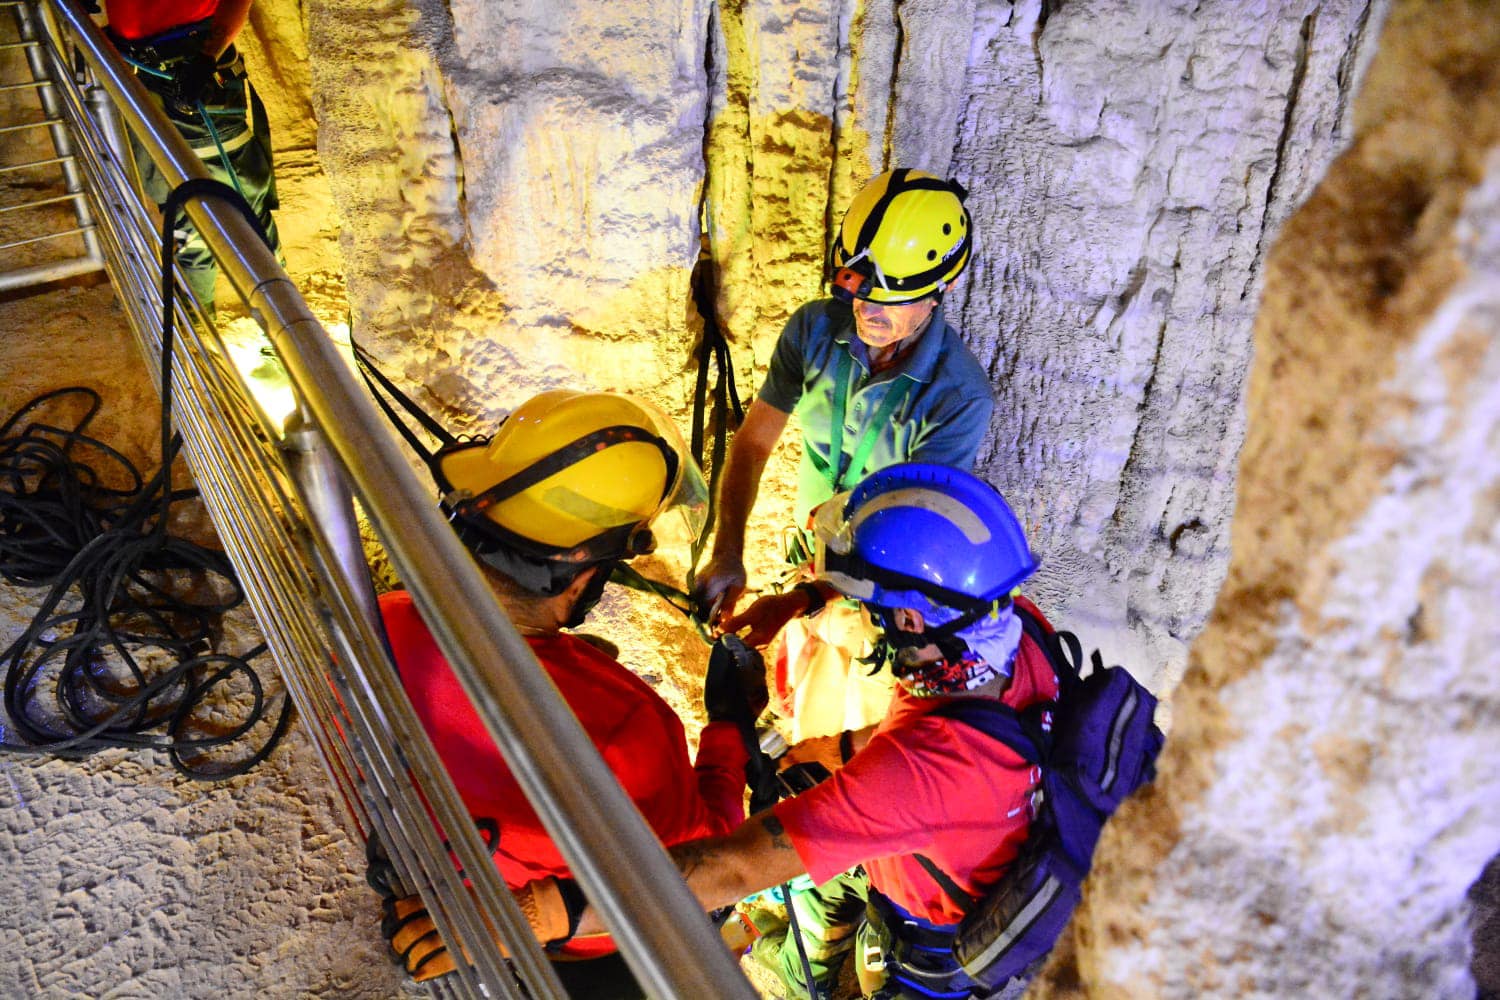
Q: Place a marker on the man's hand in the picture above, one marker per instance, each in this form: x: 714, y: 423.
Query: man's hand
x: 824, y: 750
x: 551, y: 910
x: 734, y: 689
x: 766, y: 617
x: 414, y: 939
x: 718, y: 587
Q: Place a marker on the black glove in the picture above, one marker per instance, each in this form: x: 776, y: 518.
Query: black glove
x: 193, y: 81
x: 734, y: 689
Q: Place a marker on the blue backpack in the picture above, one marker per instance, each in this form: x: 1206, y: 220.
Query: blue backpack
x: 1102, y: 746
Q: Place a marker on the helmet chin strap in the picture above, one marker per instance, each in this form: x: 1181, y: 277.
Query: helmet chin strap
x: 592, y: 592
x: 959, y: 668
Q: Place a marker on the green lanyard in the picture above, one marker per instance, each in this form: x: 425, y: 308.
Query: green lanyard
x: 843, y: 376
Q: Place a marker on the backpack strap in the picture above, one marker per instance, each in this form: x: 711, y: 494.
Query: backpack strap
x: 965, y: 902
x: 998, y: 721
x: 1063, y: 650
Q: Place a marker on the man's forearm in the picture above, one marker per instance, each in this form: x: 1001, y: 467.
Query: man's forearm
x: 723, y: 870
x: 738, y: 488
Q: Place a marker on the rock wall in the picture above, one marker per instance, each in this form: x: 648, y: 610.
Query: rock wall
x: 1327, y: 798
x: 1131, y: 164
x: 524, y: 203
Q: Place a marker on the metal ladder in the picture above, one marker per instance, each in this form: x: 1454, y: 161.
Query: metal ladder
x: 56, y: 243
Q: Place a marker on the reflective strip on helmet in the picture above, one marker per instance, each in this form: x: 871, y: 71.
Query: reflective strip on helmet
x: 959, y: 514
x: 562, y: 458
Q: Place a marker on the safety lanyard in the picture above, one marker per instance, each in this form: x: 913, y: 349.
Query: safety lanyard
x: 843, y: 376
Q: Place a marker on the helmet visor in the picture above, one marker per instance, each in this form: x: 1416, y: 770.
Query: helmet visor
x: 833, y: 535
x: 683, y: 511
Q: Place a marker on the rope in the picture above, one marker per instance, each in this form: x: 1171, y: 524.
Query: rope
x: 213, y: 133
x: 115, y: 650
x: 713, y: 350
x: 626, y: 576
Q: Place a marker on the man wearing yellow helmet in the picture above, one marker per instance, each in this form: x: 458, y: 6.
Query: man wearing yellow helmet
x: 876, y: 376
x: 571, y: 485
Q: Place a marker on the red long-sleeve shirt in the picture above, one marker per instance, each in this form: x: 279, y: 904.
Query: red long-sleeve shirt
x: 136, y: 19
x: 925, y: 784
x: 639, y: 736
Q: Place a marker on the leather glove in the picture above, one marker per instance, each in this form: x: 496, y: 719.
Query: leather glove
x: 414, y: 939
x: 734, y: 689
x: 192, y: 82
x: 823, y: 750
x: 417, y: 946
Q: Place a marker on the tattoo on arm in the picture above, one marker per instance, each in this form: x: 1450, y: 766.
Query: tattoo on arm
x: 691, y: 856
x: 779, y: 839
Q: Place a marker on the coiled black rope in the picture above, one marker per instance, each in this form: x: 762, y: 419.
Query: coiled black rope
x: 121, y: 652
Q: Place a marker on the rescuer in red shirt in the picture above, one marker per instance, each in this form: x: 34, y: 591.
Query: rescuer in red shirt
x: 571, y: 485
x: 936, y: 555
x: 183, y: 52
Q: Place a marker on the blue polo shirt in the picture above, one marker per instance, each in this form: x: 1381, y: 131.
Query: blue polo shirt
x: 941, y: 417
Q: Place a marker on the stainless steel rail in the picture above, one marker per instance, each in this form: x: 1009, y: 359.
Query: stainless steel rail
x: 282, y: 503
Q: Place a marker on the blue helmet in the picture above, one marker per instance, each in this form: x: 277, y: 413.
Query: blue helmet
x: 923, y: 536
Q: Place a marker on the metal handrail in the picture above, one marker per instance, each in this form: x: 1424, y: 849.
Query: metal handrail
x: 345, y: 444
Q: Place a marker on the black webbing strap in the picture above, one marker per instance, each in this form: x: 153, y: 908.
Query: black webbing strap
x: 713, y: 349
x: 962, y: 899
x: 569, y: 454
x: 193, y: 187
x: 373, y: 375
x: 1063, y: 650
x: 795, y: 929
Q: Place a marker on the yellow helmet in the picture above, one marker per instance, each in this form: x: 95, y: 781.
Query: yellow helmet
x: 569, y: 480
x: 906, y: 236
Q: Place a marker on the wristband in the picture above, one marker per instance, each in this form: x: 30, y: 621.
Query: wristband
x: 815, y: 599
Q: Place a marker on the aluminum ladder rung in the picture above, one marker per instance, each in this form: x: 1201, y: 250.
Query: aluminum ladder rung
x: 36, y: 163
x: 47, y: 236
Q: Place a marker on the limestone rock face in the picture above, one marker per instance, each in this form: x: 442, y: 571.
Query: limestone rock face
x: 1326, y: 798
x: 534, y: 219
x: 1130, y: 165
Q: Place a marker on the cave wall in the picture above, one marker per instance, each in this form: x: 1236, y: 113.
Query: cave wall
x: 1130, y: 167
x: 525, y: 190
x: 1328, y: 796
